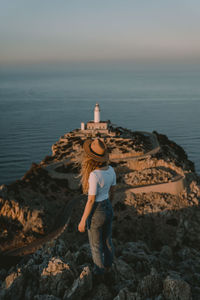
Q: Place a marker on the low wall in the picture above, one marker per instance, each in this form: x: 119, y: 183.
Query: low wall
x: 174, y: 187
x: 135, y: 156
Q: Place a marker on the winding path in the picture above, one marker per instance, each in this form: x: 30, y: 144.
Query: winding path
x: 175, y: 186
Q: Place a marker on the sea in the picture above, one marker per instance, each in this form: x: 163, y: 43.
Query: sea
x: 40, y: 103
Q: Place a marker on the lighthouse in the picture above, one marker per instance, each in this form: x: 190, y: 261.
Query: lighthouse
x: 96, y: 113
x: 92, y: 127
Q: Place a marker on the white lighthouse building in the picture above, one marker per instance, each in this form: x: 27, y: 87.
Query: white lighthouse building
x: 97, y: 113
x: 97, y: 125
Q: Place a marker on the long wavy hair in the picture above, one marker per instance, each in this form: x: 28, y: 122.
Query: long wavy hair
x: 87, y: 166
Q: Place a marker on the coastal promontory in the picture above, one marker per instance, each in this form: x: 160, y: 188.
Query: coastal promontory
x: 156, y: 226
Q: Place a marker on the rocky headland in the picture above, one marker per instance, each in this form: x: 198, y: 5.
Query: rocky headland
x: 156, y: 227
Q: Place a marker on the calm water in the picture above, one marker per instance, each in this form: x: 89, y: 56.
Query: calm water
x: 39, y: 104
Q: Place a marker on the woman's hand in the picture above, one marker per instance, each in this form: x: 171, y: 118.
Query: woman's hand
x: 87, y: 210
x: 81, y: 226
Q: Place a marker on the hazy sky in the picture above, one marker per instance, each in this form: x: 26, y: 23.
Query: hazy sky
x: 99, y: 30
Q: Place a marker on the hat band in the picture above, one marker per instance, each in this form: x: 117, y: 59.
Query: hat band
x: 101, y: 155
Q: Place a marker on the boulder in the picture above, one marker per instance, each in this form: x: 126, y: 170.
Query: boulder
x: 176, y: 289
x: 150, y: 285
x: 11, y: 277
x: 100, y: 292
x: 81, y: 286
x: 56, y: 277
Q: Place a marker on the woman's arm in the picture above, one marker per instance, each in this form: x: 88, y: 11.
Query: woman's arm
x: 87, y: 210
x: 111, y: 193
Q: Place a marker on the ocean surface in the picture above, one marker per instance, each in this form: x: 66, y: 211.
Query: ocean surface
x: 40, y: 103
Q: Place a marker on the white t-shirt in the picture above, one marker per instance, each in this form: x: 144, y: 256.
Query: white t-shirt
x: 100, y: 182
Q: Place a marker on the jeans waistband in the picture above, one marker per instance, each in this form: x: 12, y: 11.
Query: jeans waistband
x: 102, y: 201
x: 105, y: 204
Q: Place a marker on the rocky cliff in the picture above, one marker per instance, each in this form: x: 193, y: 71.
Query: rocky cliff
x: 155, y: 227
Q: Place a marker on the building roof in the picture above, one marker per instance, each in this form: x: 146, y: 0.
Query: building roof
x: 98, y: 122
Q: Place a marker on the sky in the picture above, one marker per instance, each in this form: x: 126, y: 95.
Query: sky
x: 99, y: 30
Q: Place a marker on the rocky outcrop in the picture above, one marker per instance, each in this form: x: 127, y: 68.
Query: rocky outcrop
x: 31, y: 207
x: 138, y: 272
x: 156, y: 235
x: 176, y: 288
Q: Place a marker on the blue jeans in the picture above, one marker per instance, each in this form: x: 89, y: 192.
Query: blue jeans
x: 99, y: 224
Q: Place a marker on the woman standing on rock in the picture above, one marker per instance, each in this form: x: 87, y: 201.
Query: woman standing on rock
x: 98, y: 180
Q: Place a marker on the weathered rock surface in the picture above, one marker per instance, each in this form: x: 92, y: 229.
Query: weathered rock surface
x: 156, y: 235
x: 56, y: 277
x: 176, y: 289
x: 81, y: 286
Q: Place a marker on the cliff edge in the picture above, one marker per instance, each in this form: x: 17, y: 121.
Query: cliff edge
x: 155, y: 227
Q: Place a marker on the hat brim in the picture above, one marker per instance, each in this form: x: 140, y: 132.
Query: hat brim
x: 87, y: 149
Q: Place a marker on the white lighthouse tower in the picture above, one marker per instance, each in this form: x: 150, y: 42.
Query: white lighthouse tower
x: 96, y: 113
x: 97, y: 125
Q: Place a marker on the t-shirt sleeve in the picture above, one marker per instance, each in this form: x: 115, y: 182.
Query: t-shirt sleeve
x: 92, y: 184
x: 114, y: 178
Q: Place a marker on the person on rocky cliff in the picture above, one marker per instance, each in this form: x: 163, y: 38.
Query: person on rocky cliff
x: 98, y: 179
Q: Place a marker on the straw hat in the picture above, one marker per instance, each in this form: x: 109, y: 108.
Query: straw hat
x: 96, y: 149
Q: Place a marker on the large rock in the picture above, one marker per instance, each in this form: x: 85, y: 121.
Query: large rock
x: 11, y: 278
x: 30, y: 208
x: 176, y: 289
x: 124, y: 271
x: 100, y: 292
x: 81, y: 286
x: 56, y: 277
x: 150, y: 286
x: 14, y: 287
